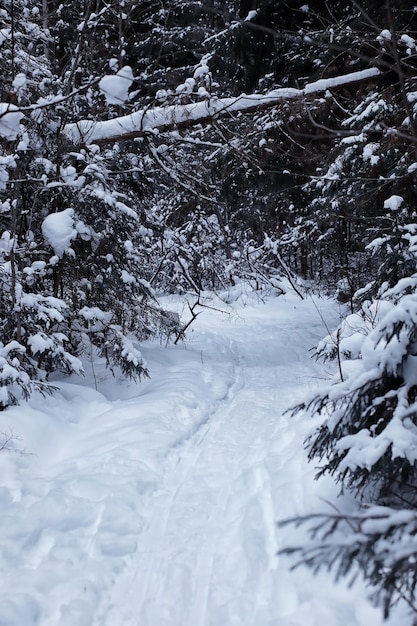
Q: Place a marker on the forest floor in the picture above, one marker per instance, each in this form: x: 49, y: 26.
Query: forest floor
x: 155, y: 504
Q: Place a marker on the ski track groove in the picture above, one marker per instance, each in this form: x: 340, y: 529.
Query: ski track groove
x: 180, y: 460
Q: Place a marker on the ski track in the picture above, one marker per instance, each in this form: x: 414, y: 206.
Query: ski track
x: 184, y: 533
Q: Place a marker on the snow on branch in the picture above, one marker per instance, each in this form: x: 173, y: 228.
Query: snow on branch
x: 166, y: 118
x: 10, y: 117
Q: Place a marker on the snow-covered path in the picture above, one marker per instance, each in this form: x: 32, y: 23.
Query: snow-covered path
x: 213, y: 528
x: 156, y: 505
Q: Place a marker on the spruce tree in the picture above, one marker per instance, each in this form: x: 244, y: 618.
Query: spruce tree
x: 74, y: 254
x: 367, y: 437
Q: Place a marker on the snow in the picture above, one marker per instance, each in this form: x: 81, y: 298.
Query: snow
x: 10, y: 118
x: 40, y: 343
x: 58, y: 230
x: 4, y: 35
x: 384, y: 36
x: 328, y: 83
x: 393, y: 203
x: 115, y: 87
x: 8, y: 161
x: 201, y: 70
x: 19, y: 83
x: 368, y: 153
x: 95, y: 314
x: 156, y: 503
x: 128, y: 278
x: 70, y: 177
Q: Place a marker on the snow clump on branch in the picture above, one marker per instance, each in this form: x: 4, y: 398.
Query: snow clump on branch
x: 10, y: 118
x: 115, y: 88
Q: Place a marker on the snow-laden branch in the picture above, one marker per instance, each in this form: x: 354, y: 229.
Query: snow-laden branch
x: 166, y: 118
x: 10, y: 118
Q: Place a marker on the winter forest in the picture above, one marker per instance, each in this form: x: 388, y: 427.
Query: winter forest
x: 160, y: 148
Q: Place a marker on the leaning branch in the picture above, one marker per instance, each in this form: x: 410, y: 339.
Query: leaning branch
x: 168, y: 118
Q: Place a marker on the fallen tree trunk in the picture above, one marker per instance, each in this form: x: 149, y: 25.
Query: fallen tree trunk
x: 172, y: 117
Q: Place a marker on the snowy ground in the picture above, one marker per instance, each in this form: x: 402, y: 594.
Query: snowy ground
x: 156, y: 504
